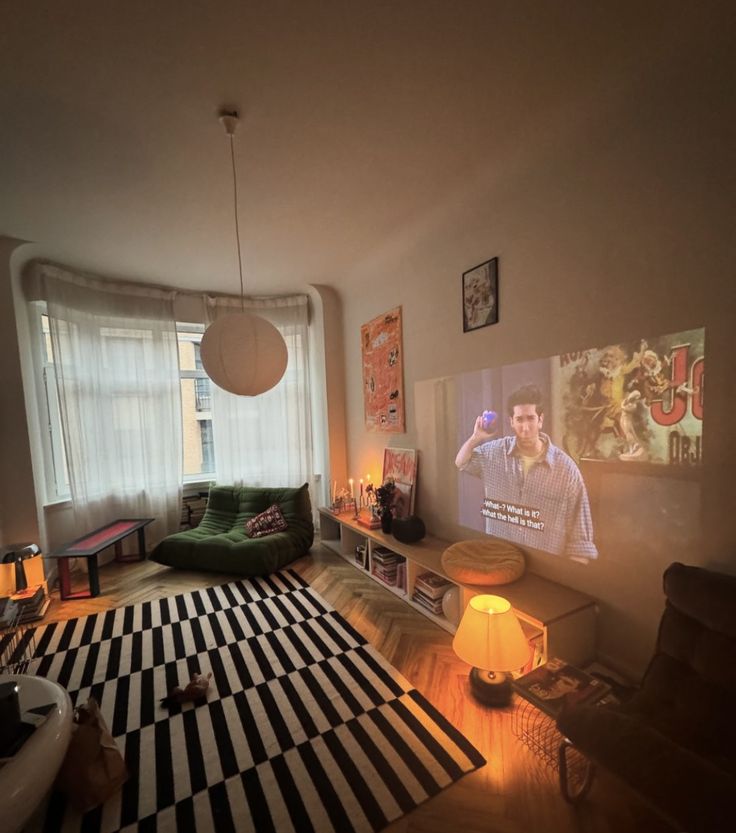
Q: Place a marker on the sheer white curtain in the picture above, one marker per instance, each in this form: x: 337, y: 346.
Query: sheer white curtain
x: 117, y: 369
x: 267, y: 440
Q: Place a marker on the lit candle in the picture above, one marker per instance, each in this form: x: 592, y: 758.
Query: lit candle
x: 351, y: 483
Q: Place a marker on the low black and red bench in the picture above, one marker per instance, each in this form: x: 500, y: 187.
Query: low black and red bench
x: 91, y: 545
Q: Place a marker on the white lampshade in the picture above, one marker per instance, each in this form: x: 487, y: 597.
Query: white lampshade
x: 490, y: 637
x: 244, y: 354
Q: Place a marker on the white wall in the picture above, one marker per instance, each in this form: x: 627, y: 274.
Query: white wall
x: 18, y: 510
x: 612, y: 222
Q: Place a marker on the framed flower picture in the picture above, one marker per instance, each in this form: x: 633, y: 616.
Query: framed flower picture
x: 480, y: 296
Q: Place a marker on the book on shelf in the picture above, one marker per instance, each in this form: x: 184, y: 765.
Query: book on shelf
x: 401, y: 574
x: 379, y: 558
x: 367, y: 520
x: 434, y: 606
x: 556, y: 682
x: 536, y: 652
x: 384, y: 552
x: 432, y: 585
x: 390, y: 580
x: 420, y: 594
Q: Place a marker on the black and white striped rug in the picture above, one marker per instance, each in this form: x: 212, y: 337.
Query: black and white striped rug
x: 306, y: 727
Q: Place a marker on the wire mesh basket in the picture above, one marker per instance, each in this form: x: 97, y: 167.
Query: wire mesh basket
x: 17, y: 646
x: 538, y: 732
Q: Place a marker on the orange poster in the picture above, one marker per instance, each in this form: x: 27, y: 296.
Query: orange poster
x: 383, y: 373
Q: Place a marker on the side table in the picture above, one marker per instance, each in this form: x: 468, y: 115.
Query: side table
x: 538, y: 731
x: 91, y: 545
x: 27, y: 777
x: 542, y: 693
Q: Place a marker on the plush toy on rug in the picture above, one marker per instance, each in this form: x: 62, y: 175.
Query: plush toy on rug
x: 196, y: 689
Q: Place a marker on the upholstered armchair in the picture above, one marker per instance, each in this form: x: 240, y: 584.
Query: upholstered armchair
x: 674, y: 742
x: 221, y: 542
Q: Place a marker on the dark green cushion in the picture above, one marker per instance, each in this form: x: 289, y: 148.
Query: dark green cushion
x: 221, y: 544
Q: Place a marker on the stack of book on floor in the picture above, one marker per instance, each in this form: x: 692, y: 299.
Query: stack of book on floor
x: 184, y: 516
x: 25, y: 606
x: 193, y: 507
x: 384, y: 565
x: 429, y: 588
x: 8, y: 613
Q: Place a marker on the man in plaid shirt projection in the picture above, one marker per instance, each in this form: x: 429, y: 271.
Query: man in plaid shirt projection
x: 535, y: 494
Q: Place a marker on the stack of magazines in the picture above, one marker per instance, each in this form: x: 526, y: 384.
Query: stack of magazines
x: 26, y: 605
x: 385, y: 564
x: 429, y: 588
x: 556, y: 682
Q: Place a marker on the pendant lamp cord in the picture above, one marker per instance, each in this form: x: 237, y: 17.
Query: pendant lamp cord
x: 237, y: 224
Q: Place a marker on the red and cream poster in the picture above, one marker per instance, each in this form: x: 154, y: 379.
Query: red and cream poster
x: 383, y: 373
x: 400, y: 464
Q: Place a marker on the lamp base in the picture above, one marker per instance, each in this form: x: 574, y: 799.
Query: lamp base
x: 492, y: 688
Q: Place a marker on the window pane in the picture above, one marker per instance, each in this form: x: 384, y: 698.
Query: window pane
x: 190, y: 336
x: 196, y: 420
x: 48, y: 351
x: 202, y: 395
x: 56, y: 436
x: 208, y: 449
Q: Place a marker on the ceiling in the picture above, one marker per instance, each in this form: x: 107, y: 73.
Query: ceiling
x: 356, y: 119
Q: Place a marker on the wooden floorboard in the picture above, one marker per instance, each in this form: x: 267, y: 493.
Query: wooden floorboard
x: 513, y: 793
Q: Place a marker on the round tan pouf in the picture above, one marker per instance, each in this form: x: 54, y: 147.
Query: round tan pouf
x: 483, y: 561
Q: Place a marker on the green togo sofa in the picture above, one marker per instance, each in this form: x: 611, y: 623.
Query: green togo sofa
x: 221, y: 544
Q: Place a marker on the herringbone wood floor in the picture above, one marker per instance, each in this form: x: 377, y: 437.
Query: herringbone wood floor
x: 513, y: 793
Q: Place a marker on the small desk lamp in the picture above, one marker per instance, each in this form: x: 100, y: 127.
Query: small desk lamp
x: 17, y: 553
x: 489, y: 637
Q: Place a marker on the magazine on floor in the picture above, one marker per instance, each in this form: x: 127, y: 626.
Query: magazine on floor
x: 556, y: 682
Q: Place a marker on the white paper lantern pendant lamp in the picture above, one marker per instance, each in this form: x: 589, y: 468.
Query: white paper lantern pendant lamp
x: 242, y: 353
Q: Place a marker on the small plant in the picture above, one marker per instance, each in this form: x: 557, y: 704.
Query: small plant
x: 385, y: 496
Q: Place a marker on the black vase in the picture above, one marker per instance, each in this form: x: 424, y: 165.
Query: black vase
x: 408, y: 530
x: 386, y: 519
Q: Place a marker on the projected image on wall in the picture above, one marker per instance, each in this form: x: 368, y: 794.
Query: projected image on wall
x: 534, y: 493
x: 535, y: 440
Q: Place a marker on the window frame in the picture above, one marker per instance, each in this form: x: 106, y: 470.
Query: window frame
x: 55, y: 473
